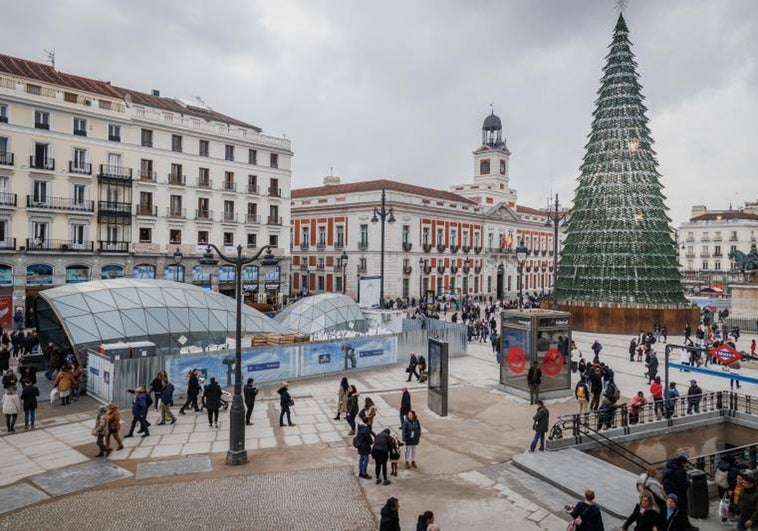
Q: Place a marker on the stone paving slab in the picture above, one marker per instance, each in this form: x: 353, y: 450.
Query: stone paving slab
x: 17, y: 496
x: 174, y: 467
x: 79, y: 477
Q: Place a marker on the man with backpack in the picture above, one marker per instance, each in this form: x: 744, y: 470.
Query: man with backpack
x: 607, y: 412
x: 596, y: 348
x: 363, y: 441
x: 596, y: 386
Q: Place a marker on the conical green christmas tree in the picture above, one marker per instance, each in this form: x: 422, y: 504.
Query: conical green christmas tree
x: 618, y: 247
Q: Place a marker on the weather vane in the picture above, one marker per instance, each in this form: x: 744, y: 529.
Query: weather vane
x: 621, y: 5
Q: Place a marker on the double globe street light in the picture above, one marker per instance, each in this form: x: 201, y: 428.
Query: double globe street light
x: 237, y: 455
x: 389, y: 217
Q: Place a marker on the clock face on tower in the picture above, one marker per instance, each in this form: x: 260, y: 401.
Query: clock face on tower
x: 502, y: 167
x: 484, y: 167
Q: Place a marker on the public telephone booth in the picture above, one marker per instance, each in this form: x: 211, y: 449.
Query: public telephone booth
x: 537, y: 335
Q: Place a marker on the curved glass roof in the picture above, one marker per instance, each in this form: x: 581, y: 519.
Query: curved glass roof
x: 128, y: 309
x: 323, y: 313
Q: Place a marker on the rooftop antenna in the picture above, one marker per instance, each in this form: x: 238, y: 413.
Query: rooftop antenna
x: 621, y: 5
x: 50, y: 56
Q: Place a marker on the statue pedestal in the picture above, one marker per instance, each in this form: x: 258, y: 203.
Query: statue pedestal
x: 744, y: 301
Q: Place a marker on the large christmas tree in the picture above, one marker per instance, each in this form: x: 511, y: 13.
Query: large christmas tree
x: 618, y: 247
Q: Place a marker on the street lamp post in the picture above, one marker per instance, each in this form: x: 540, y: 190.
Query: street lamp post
x: 177, y: 260
x: 237, y: 455
x: 343, y: 263
x: 499, y: 281
x: 554, y: 218
x: 420, y: 280
x: 521, y: 252
x: 385, y: 215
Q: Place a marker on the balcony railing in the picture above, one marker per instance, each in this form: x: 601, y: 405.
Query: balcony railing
x: 274, y: 192
x: 453, y: 248
x: 6, y: 158
x: 148, y: 176
x: 40, y: 245
x: 303, y: 266
x: 362, y: 268
x: 362, y: 245
x: 7, y: 199
x: 176, y: 179
x: 60, y: 203
x: 113, y: 247
x: 339, y: 246
x: 478, y: 249
x: 176, y: 213
x: 81, y: 168
x: 42, y: 163
x: 466, y: 248
x: 146, y: 210
x: 274, y: 220
x: 252, y: 218
x: 229, y: 186
x: 407, y: 246
x: 80, y: 132
x: 115, y: 172
x: 253, y: 189
x: 441, y: 247
x: 407, y: 270
x: 426, y: 247
x: 229, y: 217
x: 41, y: 125
x: 114, y: 138
x: 320, y: 266
x: 203, y: 214
x: 304, y: 246
x: 206, y: 183
x: 320, y: 246
x: 114, y: 207
x: 8, y: 244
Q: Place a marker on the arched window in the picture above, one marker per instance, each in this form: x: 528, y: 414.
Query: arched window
x: 77, y: 273
x: 174, y: 273
x: 39, y: 275
x: 143, y: 271
x: 111, y: 271
x: 6, y: 275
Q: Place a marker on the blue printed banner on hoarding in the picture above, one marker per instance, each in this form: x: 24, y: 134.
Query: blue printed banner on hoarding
x: 320, y: 358
x: 263, y: 366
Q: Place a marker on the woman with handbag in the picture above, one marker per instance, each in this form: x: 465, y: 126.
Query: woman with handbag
x: 286, y: 402
x: 644, y: 517
x: 342, y: 398
x: 585, y: 515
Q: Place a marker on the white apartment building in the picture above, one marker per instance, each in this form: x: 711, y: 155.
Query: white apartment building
x: 707, y: 239
x: 458, y: 242
x: 98, y: 181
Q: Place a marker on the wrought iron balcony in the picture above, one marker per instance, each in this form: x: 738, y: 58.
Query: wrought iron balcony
x: 41, y: 245
x: 407, y: 270
x: 229, y: 217
x: 42, y: 125
x: 252, y: 218
x: 229, y: 186
x: 453, y: 269
x: 113, y: 207
x: 427, y: 269
x: 407, y: 246
x: 148, y: 176
x: 362, y: 268
x: 176, y: 213
x: 146, y: 210
x: 440, y: 269
x: 303, y: 266
x: 466, y: 248
x: 80, y: 168
x: 339, y: 246
x: 8, y: 244
x: 478, y: 249
x: 8, y: 200
x: 274, y: 192
x: 454, y: 249
x: 42, y: 163
x: 203, y: 214
x: 320, y: 266
x: 176, y: 179
x: 477, y: 269
x: 6, y: 158
x: 253, y: 189
x: 441, y: 247
x: 115, y: 172
x: 274, y: 220
x: 304, y: 246
x: 362, y: 245
x: 60, y: 203
x: 205, y: 183
x: 113, y: 247
x: 426, y: 247
x: 320, y: 246
x: 80, y: 132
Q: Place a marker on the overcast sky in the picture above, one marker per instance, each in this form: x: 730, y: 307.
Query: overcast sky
x: 399, y: 89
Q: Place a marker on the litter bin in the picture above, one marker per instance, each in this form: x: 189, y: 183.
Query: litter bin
x: 697, y: 494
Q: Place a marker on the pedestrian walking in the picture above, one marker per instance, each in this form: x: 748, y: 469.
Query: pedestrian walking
x: 166, y: 395
x: 368, y: 413
x: 100, y: 431
x: 342, y: 398
x: 648, y: 484
x: 114, y: 426
x: 193, y: 390
x: 390, y: 519
x: 748, y: 501
x: 156, y: 387
x: 411, y: 368
x: 11, y: 408
x: 596, y: 386
x: 405, y: 406
x: 29, y: 394
x: 541, y: 420
x: 534, y: 379
x: 652, y: 366
x: 64, y: 382
x: 139, y: 412
x: 694, y: 395
x: 644, y: 517
x: 591, y: 519
x: 285, y: 402
x: 380, y: 453
x: 734, y: 370
x: 363, y: 441
x: 675, y: 518
x: 352, y: 408
x: 671, y: 395
x: 581, y: 393
x: 212, y: 401
x: 250, y: 392
x: 424, y: 521
x: 656, y: 391
x: 596, y: 348
x: 411, y: 438
x: 5, y: 359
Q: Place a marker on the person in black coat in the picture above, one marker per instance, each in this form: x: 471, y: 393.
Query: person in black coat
x: 644, y: 517
x: 674, y: 518
x: 29, y: 395
x: 193, y: 389
x: 212, y: 401
x: 405, y: 406
x: 286, y: 402
x: 250, y: 392
x: 29, y: 373
x: 390, y: 520
x: 380, y: 453
x: 363, y: 441
x: 5, y: 358
x: 592, y: 518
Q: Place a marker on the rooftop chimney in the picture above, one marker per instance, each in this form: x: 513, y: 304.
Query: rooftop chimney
x: 331, y: 180
x: 156, y: 93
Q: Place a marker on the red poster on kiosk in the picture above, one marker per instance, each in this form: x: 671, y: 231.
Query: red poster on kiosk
x: 6, y: 311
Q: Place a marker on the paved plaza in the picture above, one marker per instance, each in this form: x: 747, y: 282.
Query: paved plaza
x: 456, y: 479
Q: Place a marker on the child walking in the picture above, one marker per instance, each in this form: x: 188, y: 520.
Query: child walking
x: 395, y: 445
